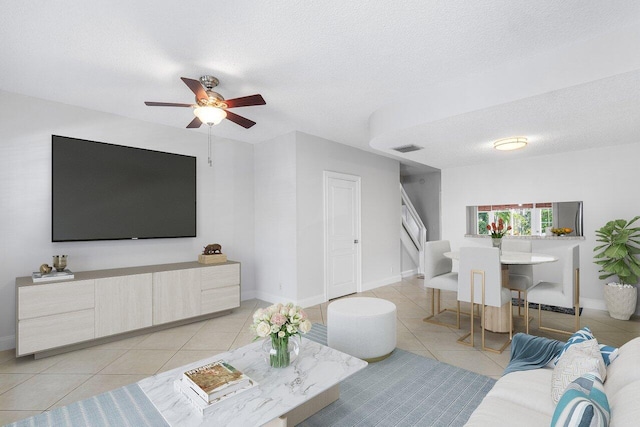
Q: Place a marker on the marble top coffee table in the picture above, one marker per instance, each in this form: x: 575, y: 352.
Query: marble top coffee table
x: 284, y: 396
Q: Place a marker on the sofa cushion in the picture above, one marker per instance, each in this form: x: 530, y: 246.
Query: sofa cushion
x: 625, y: 410
x: 577, y: 360
x: 626, y: 369
x: 583, y: 403
x: 494, y: 412
x: 529, y: 389
x: 609, y: 353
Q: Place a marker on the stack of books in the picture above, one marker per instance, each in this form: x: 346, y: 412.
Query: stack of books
x: 209, y: 384
x: 53, y: 275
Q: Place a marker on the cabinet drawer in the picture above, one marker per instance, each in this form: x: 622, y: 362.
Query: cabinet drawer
x: 47, y: 332
x: 220, y: 276
x: 219, y: 299
x: 55, y: 298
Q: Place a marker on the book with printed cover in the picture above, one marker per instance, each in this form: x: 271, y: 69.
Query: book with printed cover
x: 203, y: 408
x: 215, y: 380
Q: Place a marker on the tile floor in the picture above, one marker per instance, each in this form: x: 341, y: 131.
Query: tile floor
x: 28, y: 386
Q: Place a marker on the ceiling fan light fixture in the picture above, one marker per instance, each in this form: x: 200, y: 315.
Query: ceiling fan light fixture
x: 511, y: 143
x: 210, y: 115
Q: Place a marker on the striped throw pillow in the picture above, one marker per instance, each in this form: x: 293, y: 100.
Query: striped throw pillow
x: 609, y: 353
x: 584, y: 403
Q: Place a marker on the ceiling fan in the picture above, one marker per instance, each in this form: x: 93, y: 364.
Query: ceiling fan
x: 210, y: 107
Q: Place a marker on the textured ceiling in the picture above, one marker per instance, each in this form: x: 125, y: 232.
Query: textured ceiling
x: 331, y: 68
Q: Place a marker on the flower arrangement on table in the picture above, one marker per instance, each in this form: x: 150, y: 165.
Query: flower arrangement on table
x: 561, y: 231
x: 280, y: 321
x: 498, y: 231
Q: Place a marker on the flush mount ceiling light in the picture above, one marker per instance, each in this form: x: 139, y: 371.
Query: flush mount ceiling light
x: 511, y: 143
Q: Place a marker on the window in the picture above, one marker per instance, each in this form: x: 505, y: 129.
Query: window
x: 523, y: 218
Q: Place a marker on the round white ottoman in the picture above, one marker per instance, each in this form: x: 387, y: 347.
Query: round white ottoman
x: 362, y: 327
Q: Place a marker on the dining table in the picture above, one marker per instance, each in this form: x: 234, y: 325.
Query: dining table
x: 497, y: 318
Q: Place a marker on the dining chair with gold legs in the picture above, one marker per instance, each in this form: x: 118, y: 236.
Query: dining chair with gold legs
x: 520, y: 276
x: 480, y: 282
x: 438, y: 276
x: 564, y: 294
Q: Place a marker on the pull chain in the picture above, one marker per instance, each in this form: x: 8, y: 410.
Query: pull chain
x: 209, y: 160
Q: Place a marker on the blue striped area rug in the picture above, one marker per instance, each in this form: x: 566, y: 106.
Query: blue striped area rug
x: 125, y: 406
x: 402, y: 390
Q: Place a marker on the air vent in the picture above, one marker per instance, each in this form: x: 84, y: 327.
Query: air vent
x: 407, y: 148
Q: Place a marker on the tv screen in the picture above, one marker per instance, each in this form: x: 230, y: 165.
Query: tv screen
x: 110, y: 192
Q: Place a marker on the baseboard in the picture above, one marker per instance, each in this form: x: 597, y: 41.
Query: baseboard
x: 379, y: 283
x: 247, y: 295
x: 409, y: 273
x: 310, y: 302
x: 592, y: 303
x: 7, y: 343
x: 270, y: 298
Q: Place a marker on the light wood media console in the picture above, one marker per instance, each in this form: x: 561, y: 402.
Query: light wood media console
x: 102, y: 305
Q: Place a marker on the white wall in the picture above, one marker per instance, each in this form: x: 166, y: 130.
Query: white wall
x: 225, y: 212
x: 380, y: 212
x: 605, y: 179
x: 275, y: 219
x: 289, y: 241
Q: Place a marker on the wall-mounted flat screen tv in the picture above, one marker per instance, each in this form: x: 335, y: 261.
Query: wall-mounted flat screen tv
x: 111, y: 192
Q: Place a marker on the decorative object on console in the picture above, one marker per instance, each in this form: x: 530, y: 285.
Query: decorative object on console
x: 280, y: 322
x: 45, y: 269
x: 212, y: 249
x: 52, y: 275
x: 59, y: 262
x: 617, y: 257
x: 212, y: 254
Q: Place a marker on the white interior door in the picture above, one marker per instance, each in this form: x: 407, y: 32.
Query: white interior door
x: 342, y: 234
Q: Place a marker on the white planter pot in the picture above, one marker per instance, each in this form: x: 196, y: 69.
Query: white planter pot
x: 621, y: 301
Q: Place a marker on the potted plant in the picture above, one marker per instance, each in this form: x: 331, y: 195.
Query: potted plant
x: 617, y: 257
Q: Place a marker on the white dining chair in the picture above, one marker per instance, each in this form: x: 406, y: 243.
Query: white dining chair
x: 438, y: 276
x: 520, y: 276
x: 564, y: 293
x: 480, y: 282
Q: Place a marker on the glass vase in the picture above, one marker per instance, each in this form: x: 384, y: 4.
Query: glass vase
x: 280, y: 351
x: 497, y: 243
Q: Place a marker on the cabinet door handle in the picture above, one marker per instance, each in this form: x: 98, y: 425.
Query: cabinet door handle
x: 356, y: 241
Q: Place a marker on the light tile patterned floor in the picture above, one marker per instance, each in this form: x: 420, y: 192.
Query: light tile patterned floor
x: 29, y: 386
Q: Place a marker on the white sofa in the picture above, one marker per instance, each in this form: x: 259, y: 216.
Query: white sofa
x: 523, y: 398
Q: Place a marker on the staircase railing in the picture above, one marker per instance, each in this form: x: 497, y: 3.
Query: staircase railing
x: 414, y: 226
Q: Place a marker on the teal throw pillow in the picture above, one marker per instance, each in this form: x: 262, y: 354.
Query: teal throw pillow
x: 583, y: 403
x: 608, y: 353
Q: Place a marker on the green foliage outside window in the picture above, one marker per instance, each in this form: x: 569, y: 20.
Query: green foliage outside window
x: 483, y: 221
x: 546, y: 218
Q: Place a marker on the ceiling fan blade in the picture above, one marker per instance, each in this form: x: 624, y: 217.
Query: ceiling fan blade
x: 166, y: 104
x: 239, y: 120
x: 245, y: 101
x: 196, y: 87
x: 195, y: 123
